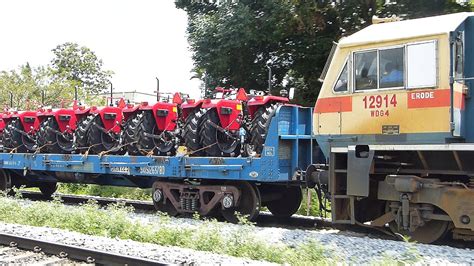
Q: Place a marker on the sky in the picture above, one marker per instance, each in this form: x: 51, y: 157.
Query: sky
x: 138, y: 40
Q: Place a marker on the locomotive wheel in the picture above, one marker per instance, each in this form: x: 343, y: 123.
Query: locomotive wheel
x: 259, y: 127
x: 55, y: 143
x: 287, y: 204
x: 47, y: 189
x: 161, y: 206
x: 164, y: 146
x: 100, y: 141
x: 6, y: 183
x: 248, y: 205
x: 192, y: 139
x: 430, y: 232
x: 82, y: 131
x: 13, y: 139
x: 216, y: 142
x: 129, y: 134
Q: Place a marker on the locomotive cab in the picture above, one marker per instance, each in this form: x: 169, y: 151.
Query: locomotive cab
x: 399, y: 82
x: 395, y: 120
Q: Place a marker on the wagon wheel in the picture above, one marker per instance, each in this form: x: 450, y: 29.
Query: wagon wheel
x: 47, y: 189
x: 162, y: 206
x: 288, y: 203
x: 248, y: 205
x: 430, y: 232
x: 6, y: 183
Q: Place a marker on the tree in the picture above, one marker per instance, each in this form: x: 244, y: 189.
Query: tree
x: 81, y: 67
x: 72, y: 66
x: 233, y: 42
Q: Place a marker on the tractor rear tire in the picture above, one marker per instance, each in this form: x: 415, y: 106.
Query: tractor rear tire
x: 260, y: 126
x: 99, y: 141
x: 13, y: 139
x: 212, y: 140
x: 130, y: 134
x: 148, y: 125
x: 191, y: 135
x: 50, y: 141
x: 82, y: 132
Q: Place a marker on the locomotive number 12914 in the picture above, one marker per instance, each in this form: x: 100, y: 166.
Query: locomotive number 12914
x: 380, y: 101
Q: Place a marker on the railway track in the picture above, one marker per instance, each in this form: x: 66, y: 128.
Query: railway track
x: 20, y: 250
x: 263, y: 220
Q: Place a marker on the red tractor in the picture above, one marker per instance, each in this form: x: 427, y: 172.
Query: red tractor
x: 20, y: 131
x: 221, y: 128
x: 57, y: 127
x: 192, y: 115
x: 100, y: 130
x: 261, y: 109
x: 153, y: 128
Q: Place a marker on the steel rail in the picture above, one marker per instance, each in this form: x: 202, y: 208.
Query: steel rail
x: 74, y: 252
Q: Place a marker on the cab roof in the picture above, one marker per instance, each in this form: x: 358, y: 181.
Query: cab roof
x: 406, y: 29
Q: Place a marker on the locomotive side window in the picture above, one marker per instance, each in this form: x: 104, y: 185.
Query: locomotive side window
x: 392, y: 68
x: 342, y: 81
x: 421, y: 65
x: 365, y: 66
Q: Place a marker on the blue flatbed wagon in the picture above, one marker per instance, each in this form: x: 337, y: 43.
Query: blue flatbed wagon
x: 286, y: 155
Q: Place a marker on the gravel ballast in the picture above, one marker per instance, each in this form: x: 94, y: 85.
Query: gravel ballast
x: 342, y: 246
x: 346, y: 246
x: 126, y: 247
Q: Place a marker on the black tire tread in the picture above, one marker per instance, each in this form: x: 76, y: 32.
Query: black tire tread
x: 11, y: 138
x: 94, y: 138
x: 191, y: 136
x: 130, y: 134
x: 82, y: 132
x: 45, y: 136
x: 260, y: 125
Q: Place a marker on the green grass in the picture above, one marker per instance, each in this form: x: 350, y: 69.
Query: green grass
x: 145, y: 194
x: 105, y: 191
x: 114, y: 222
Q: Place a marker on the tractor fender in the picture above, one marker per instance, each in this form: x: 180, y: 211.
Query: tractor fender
x: 29, y: 120
x: 255, y: 103
x: 188, y: 107
x: 129, y: 110
x: 166, y: 115
x: 111, y: 117
x: 229, y: 112
x: 66, y: 119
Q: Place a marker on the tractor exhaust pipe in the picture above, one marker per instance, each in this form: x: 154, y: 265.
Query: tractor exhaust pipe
x: 157, y: 89
x: 11, y: 99
x: 111, y: 94
x: 269, y: 80
x: 75, y: 93
x: 42, y: 97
